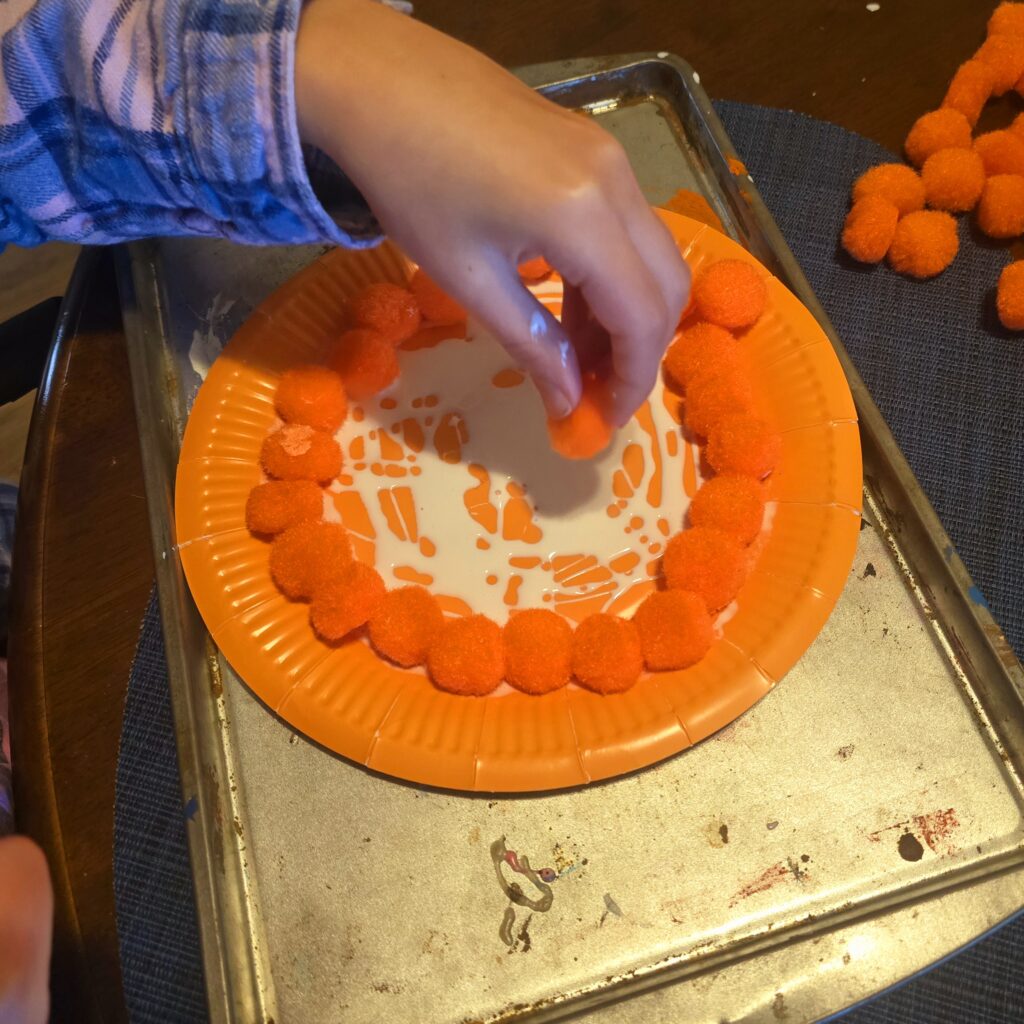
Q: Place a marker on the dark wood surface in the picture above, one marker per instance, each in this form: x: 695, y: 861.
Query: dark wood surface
x: 83, y: 568
x: 83, y: 573
x: 871, y: 72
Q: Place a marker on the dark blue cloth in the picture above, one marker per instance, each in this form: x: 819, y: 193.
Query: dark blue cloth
x: 947, y: 380
x: 944, y: 373
x: 156, y: 917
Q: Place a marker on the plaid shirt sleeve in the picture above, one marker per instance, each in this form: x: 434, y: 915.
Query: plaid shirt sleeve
x: 121, y: 119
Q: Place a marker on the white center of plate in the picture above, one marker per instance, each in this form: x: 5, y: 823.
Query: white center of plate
x: 450, y: 481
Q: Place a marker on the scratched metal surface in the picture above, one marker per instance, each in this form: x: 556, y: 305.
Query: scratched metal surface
x: 877, y: 786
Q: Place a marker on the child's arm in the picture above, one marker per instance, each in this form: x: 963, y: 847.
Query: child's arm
x: 158, y: 117
x: 185, y: 117
x: 473, y: 172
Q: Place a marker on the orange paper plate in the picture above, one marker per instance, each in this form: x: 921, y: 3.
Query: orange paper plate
x: 442, y: 484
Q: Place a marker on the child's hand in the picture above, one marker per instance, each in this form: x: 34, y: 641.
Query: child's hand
x: 472, y: 173
x: 26, y: 913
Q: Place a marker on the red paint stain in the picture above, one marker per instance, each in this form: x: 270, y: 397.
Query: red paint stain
x: 783, y: 871
x: 935, y: 829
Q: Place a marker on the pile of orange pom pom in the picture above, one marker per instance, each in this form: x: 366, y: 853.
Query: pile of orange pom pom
x: 1010, y: 296
x: 958, y: 174
x: 537, y: 651
x: 870, y: 227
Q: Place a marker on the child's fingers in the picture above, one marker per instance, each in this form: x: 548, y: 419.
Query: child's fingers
x: 590, y: 340
x: 658, y: 249
x: 530, y: 334
x: 640, y: 248
x: 653, y: 240
x: 627, y: 300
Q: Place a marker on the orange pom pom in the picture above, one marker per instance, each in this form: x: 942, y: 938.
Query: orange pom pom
x: 346, y: 603
x: 706, y: 562
x: 366, y: 361
x: 606, y: 653
x: 389, y: 309
x: 675, y: 629
x: 436, y: 305
x: 732, y: 504
x: 970, y: 89
x: 896, y: 182
x: 538, y: 651
x: 730, y: 293
x: 1010, y: 296
x: 298, y: 452
x: 405, y: 625
x: 1002, y: 152
x: 1007, y: 19
x: 869, y: 227
x: 744, y: 445
x: 709, y: 400
x: 534, y: 270
x: 925, y: 244
x: 954, y: 178
x: 467, y: 656
x: 274, y: 506
x: 1017, y: 125
x: 308, y: 556
x: 1003, y: 55
x: 701, y: 351
x: 940, y: 129
x: 1001, y: 207
x: 584, y: 432
x: 312, y: 395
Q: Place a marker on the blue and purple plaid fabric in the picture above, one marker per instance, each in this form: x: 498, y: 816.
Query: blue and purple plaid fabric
x: 126, y: 118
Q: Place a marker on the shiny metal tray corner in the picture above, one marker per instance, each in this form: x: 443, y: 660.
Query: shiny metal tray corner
x: 863, y: 820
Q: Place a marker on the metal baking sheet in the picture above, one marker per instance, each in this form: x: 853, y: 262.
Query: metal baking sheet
x: 791, y: 856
